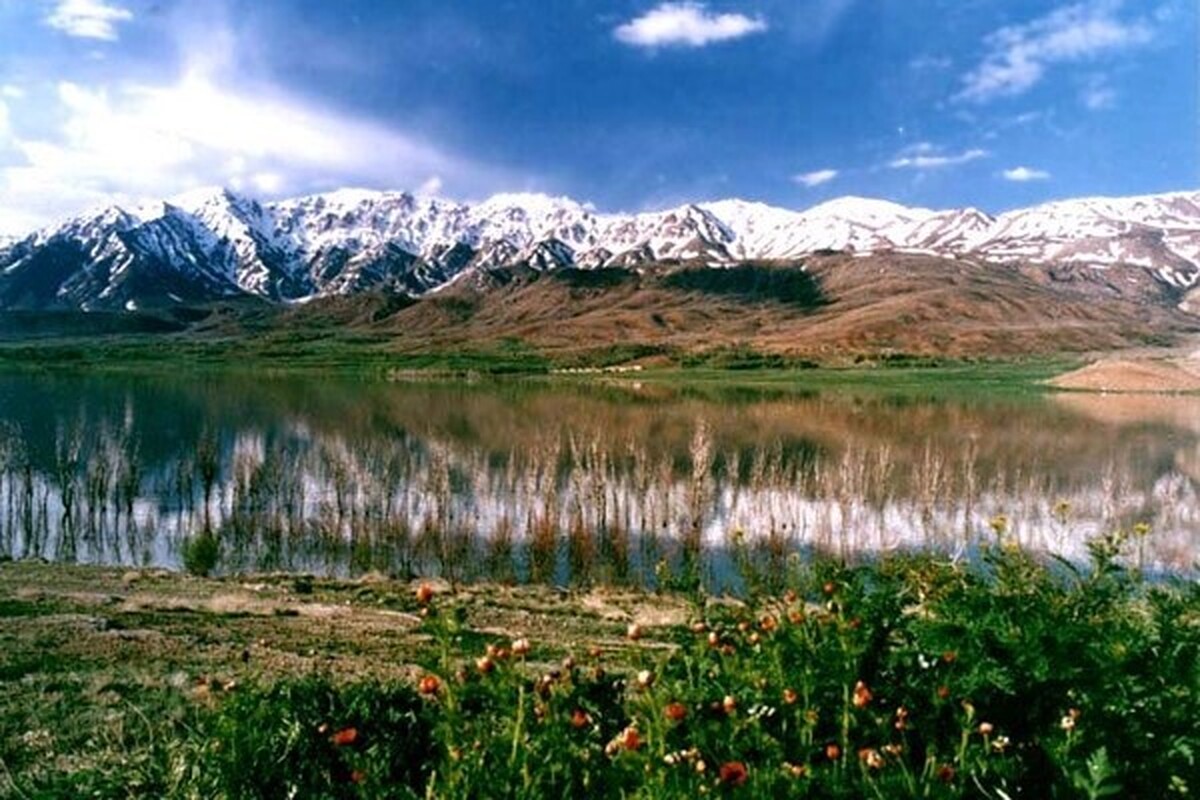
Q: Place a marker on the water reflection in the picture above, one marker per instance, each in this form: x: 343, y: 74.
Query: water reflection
x: 573, y: 483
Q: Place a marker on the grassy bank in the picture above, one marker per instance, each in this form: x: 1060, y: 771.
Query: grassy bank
x: 910, y: 677
x: 362, y: 356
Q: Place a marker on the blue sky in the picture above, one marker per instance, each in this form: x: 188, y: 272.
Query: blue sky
x: 629, y: 105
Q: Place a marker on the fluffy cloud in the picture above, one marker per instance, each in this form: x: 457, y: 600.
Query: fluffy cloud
x: 88, y: 19
x: 1025, y: 174
x: 1018, y: 56
x: 816, y: 178
x: 134, y: 141
x: 686, y: 24
x: 927, y: 156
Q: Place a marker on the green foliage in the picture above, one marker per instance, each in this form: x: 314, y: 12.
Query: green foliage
x: 907, y: 678
x: 310, y: 739
x: 201, y: 553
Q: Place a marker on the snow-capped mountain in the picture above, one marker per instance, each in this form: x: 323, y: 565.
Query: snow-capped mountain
x: 213, y: 244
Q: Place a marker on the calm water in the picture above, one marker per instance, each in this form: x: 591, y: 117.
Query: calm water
x: 573, y: 483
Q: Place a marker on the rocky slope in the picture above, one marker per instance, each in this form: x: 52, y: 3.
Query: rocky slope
x: 214, y: 244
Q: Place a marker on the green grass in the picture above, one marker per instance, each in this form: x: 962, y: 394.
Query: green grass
x: 906, y: 677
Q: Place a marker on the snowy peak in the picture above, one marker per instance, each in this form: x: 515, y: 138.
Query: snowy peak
x: 216, y: 243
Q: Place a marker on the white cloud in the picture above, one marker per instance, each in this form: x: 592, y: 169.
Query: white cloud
x: 925, y: 156
x: 1025, y: 174
x: 686, y: 24
x: 816, y: 178
x: 431, y: 187
x: 1018, y: 56
x: 88, y: 19
x: 1097, y: 95
x: 4, y: 124
x: 12, y: 92
x: 133, y: 142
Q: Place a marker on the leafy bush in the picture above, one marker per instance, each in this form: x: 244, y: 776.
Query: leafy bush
x: 907, y: 678
x: 310, y: 739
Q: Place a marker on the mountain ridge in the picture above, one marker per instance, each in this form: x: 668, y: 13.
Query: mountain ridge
x: 214, y: 244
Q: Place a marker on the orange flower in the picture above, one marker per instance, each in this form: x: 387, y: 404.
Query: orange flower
x: 580, y: 719
x: 424, y: 594
x: 871, y: 757
x: 743, y: 626
x: 833, y: 752
x: 949, y: 657
x: 986, y: 728
x: 943, y: 692
x: 796, y: 616
x: 946, y: 773
x: 901, y: 718
x: 485, y: 664
x: 630, y: 739
x: 645, y: 679
x: 345, y: 737
x: 713, y: 639
x: 754, y: 639
x: 729, y: 704
x: 676, y: 712
x: 520, y: 647
x: 429, y: 685
x: 699, y: 627
x: 862, y: 695
x: 733, y: 773
x: 789, y: 596
x: 768, y: 623
x: 358, y: 776
x: 790, y: 697
x: 829, y: 588
x: 634, y: 632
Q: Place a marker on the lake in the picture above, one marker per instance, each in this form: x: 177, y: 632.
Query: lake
x: 619, y: 482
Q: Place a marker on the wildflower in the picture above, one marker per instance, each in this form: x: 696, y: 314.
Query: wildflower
x: 1001, y: 744
x: 729, y: 704
x: 595, y: 652
x: 645, y: 679
x: 871, y: 757
x: 796, y: 616
x: 986, y: 728
x: 862, y: 695
x: 344, y: 738
x: 568, y: 663
x: 357, y: 776
x: 733, y: 773
x: 628, y: 739
x: 754, y: 639
x: 429, y: 685
x: 699, y: 627
x: 700, y: 766
x: 893, y: 750
x: 833, y: 752
x: 901, y: 718
x: 713, y: 639
x: 1067, y: 723
x: 790, y: 697
x: 949, y: 657
x: 789, y: 596
x: 1141, y: 530
x: 795, y: 770
x: 580, y: 719
x: 424, y: 594
x: 811, y: 716
x: 520, y: 647
x: 946, y: 773
x: 634, y: 632
x: 998, y: 524
x: 676, y: 712
x: 743, y: 626
x: 728, y: 649
x: 943, y: 692
x: 828, y: 588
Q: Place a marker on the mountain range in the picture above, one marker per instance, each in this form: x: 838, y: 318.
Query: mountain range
x: 215, y: 244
